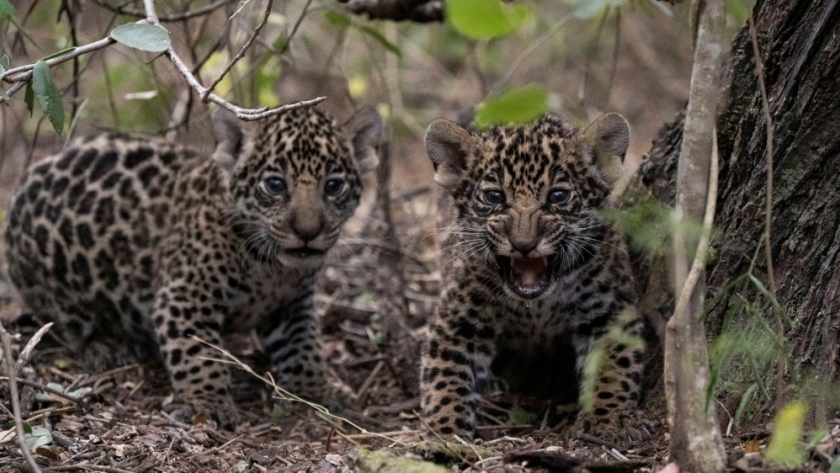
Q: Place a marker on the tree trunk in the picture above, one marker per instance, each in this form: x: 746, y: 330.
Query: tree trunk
x: 696, y: 442
x: 799, y: 43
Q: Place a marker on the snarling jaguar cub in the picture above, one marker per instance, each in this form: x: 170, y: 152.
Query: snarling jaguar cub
x: 531, y: 269
x: 134, y: 246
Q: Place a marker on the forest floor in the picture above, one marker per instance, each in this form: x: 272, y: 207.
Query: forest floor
x: 115, y: 421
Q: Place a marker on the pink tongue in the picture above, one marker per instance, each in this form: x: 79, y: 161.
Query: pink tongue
x: 528, y: 272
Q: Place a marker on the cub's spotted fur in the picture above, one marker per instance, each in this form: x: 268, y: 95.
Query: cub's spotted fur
x: 133, y: 245
x: 529, y: 268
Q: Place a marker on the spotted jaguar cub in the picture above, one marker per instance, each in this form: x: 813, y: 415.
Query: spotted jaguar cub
x: 133, y: 246
x: 530, y: 269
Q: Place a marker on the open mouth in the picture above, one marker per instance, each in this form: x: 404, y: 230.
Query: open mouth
x: 303, y: 252
x: 528, y: 278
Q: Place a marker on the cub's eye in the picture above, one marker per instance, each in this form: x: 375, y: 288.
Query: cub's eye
x: 494, y: 197
x: 559, y: 196
x: 274, y: 186
x: 333, y: 187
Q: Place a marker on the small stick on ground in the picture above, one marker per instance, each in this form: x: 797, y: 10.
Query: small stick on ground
x: 46, y: 389
x: 23, y: 357
x: 595, y: 440
x: 13, y: 391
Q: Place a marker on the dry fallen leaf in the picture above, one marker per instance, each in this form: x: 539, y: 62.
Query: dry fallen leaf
x: 752, y: 446
x: 46, y: 452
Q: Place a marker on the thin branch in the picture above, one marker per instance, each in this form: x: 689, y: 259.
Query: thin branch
x: 295, y: 28
x: 241, y: 113
x: 20, y: 75
x: 13, y: 392
x: 23, y: 357
x: 537, y: 43
x: 247, y: 114
x: 699, y: 262
x: 768, y: 204
x: 616, y: 51
x: 46, y: 389
x: 88, y: 466
x: 168, y: 18
x: 204, y: 97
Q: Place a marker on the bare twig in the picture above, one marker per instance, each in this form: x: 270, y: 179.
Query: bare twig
x: 206, y: 94
x: 703, y: 245
x: 596, y: 441
x: 167, y: 18
x: 19, y: 76
x: 285, y: 395
x: 87, y: 466
x: 295, y: 28
x: 45, y: 389
x: 768, y: 210
x: 530, y: 49
x: 23, y: 357
x: 13, y: 392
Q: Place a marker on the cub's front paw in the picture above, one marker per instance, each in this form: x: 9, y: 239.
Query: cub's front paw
x: 195, y: 410
x: 619, y: 426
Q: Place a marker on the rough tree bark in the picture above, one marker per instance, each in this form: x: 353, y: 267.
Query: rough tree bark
x: 799, y: 42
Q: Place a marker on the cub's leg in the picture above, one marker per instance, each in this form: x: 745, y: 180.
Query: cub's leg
x: 200, y: 383
x: 617, y: 392
x: 293, y: 341
x: 455, y: 367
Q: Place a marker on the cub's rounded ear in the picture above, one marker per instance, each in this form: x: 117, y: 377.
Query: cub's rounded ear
x: 448, y: 146
x: 609, y: 137
x: 365, y: 131
x: 232, y: 139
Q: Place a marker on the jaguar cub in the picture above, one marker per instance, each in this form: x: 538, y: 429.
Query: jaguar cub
x: 134, y: 246
x: 530, y: 269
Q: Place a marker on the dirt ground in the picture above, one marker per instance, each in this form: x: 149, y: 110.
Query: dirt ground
x: 116, y: 422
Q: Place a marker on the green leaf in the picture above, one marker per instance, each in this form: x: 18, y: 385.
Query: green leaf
x: 7, y: 10
x: 27, y: 429
x: 661, y: 7
x: 337, y: 19
x: 784, y: 449
x: 835, y: 467
x: 38, y: 437
x: 520, y: 416
x: 817, y: 437
x: 513, y: 107
x: 484, y: 19
x: 381, y: 39
x: 142, y: 36
x: 589, y: 8
x: 277, y: 412
x: 590, y: 374
x: 4, y: 66
x: 739, y: 10
x: 29, y: 97
x: 48, y: 96
x: 745, y: 399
